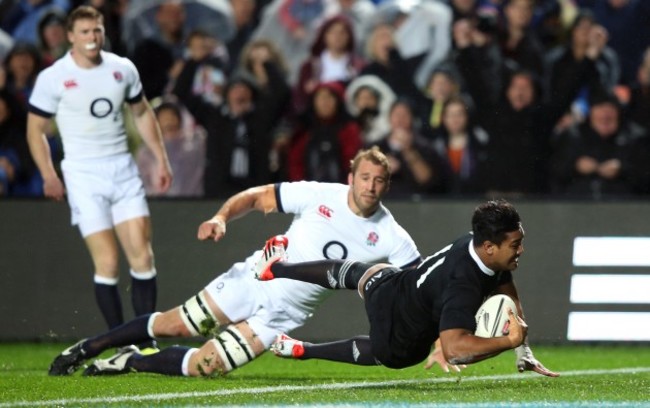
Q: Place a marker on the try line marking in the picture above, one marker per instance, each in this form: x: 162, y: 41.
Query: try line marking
x: 334, y: 386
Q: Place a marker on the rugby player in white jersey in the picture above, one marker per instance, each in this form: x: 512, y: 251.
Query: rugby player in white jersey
x: 85, y: 91
x: 331, y: 220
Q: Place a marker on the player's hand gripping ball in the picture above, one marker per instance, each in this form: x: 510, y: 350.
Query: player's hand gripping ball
x: 492, y: 317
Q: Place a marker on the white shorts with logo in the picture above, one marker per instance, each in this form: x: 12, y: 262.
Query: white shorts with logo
x: 241, y: 297
x: 103, y: 192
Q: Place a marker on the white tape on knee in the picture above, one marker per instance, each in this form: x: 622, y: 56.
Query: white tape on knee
x: 197, y: 316
x: 233, y: 349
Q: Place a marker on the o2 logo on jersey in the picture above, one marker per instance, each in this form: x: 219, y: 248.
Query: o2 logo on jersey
x: 100, y: 108
x: 335, y: 250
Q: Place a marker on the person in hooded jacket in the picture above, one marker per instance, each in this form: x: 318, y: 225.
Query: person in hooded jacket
x: 325, y: 139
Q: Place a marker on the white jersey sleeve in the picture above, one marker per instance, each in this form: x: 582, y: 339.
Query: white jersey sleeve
x: 46, y: 95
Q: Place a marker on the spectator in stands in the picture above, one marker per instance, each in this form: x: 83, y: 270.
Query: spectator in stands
x: 384, y: 61
x: 21, y: 20
x: 518, y: 41
x: 325, y: 139
x: 16, y: 166
x: 22, y: 65
x: 369, y: 99
x: 360, y: 14
x: 52, y: 37
x: 156, y: 55
x: 416, y: 168
x: 263, y: 62
x: 604, y: 156
x: 332, y: 58
x: 210, y: 78
x: 519, y: 124
x: 638, y: 108
x: 186, y: 153
x: 243, y: 12
x: 587, y: 40
x: 627, y: 23
x: 239, y: 132
x: 443, y: 85
x: 422, y: 33
x: 253, y: 58
x: 464, y: 145
x: 291, y: 25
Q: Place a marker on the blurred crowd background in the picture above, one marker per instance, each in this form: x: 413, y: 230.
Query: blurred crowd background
x: 467, y: 98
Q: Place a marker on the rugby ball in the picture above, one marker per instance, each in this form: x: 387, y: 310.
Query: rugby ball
x: 492, y: 316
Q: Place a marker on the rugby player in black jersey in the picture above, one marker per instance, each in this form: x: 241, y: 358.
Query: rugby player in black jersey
x: 410, y: 309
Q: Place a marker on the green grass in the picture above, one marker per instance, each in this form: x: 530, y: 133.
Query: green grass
x: 273, y: 381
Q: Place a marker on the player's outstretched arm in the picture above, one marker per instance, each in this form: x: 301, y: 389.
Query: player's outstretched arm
x: 260, y: 198
x: 438, y: 357
x: 526, y: 361
x: 460, y: 346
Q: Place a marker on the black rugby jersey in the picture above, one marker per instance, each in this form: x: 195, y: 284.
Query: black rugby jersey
x: 443, y: 292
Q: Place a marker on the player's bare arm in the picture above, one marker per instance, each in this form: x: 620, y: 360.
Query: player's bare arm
x: 437, y: 357
x: 40, y: 150
x: 460, y: 346
x: 260, y: 198
x: 145, y: 120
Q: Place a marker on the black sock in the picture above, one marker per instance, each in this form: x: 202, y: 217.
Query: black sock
x: 133, y: 332
x: 143, y: 295
x: 168, y: 361
x: 110, y: 304
x: 356, y: 350
x: 330, y: 274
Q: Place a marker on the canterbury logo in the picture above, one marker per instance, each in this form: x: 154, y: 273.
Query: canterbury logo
x: 325, y: 211
x: 70, y: 83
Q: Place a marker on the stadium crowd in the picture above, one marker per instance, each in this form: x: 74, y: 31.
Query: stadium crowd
x: 466, y: 97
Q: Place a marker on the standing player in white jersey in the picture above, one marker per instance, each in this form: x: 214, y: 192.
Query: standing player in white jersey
x: 85, y: 91
x: 331, y: 221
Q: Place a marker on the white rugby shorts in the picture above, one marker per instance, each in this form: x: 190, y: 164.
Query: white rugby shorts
x: 103, y: 192
x: 241, y: 297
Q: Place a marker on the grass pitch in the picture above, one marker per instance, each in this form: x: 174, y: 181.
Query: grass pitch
x: 591, y: 376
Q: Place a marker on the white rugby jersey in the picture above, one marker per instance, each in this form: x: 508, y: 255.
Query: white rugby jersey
x: 324, y: 227
x: 88, y: 103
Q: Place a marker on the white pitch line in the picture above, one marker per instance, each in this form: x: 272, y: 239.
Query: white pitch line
x: 334, y: 386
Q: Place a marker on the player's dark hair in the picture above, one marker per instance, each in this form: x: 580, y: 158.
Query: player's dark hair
x: 375, y: 156
x: 83, y: 13
x: 493, y: 220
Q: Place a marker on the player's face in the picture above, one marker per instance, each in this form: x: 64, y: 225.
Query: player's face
x: 367, y: 186
x: 506, y: 255
x: 87, y: 37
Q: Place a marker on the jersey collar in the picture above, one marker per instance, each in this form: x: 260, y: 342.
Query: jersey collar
x: 478, y: 261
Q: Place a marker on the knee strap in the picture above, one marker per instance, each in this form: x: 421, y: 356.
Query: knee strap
x: 198, y: 317
x: 233, y: 348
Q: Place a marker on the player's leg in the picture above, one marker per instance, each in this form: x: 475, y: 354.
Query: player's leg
x: 356, y: 350
x: 199, y: 310
x: 104, y: 253
x: 331, y: 274
x: 233, y: 347
x: 135, y: 237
